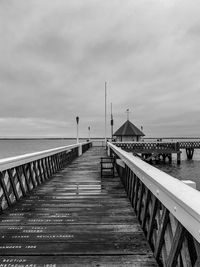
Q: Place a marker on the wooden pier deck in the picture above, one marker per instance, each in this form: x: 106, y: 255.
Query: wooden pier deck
x: 74, y: 219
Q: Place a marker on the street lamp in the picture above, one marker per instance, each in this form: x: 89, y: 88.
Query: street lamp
x: 77, y: 132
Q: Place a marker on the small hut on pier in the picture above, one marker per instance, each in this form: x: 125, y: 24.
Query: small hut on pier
x: 128, y: 132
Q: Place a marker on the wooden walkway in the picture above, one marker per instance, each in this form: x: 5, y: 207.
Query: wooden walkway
x: 75, y: 219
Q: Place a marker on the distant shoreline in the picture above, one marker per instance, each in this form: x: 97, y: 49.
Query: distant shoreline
x: 84, y: 138
x: 47, y: 138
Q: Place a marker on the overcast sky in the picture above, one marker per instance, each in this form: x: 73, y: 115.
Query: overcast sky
x: 55, y: 57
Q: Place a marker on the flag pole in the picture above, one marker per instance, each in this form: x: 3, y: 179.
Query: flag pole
x: 105, y: 111
x: 111, y: 122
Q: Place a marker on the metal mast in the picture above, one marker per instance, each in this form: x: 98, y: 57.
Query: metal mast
x: 105, y: 112
x: 111, y: 122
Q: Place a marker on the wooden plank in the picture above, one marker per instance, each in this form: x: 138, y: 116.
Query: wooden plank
x: 73, y: 248
x: 75, y: 237
x: 96, y: 260
x: 115, y: 228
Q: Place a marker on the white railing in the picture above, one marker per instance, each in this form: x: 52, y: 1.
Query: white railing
x: 12, y: 162
x: 166, y: 208
x: 20, y: 174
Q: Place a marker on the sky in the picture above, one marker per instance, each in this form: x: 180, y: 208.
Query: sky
x: 55, y: 57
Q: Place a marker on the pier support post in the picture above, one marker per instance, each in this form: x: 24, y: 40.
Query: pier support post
x: 164, y: 157
x: 189, y: 153
x: 170, y: 158
x: 179, y: 157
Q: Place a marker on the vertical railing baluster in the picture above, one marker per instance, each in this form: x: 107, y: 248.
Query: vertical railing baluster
x: 59, y: 161
x: 53, y: 163
x: 139, y: 206
x: 45, y: 175
x: 31, y: 175
x: 161, y: 234
x: 56, y: 162
x: 35, y: 169
x: 47, y: 168
x: 13, y: 185
x: 3, y: 185
x: 19, y: 177
x: 41, y: 174
x: 135, y: 199
x: 146, y: 203
x: 25, y: 169
x: 132, y: 187
x: 192, y: 249
x: 176, y: 246
x: 152, y: 218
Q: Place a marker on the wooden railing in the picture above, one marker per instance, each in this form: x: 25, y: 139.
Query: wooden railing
x: 19, y: 175
x: 189, y: 144
x: 167, y: 209
x: 150, y: 147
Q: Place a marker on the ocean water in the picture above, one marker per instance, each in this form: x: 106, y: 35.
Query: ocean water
x: 16, y: 147
x: 187, y: 170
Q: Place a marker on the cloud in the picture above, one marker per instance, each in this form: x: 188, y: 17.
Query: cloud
x: 56, y: 56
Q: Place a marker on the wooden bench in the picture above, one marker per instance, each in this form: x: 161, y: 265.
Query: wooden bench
x: 107, y: 167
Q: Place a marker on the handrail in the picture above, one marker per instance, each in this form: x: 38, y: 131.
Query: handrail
x: 167, y: 209
x: 180, y: 199
x: 11, y: 162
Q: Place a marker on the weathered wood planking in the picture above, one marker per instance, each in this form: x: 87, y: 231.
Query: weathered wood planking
x: 75, y: 219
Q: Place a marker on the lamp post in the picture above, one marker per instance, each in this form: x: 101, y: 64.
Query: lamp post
x: 77, y: 132
x: 105, y: 112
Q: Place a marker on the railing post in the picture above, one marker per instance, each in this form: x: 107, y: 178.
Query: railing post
x: 80, y: 150
x: 108, y: 150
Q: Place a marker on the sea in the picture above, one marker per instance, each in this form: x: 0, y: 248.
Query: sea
x: 16, y: 147
x: 187, y: 170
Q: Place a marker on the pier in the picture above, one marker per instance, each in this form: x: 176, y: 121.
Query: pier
x: 76, y: 218
x: 57, y: 209
x: 160, y: 151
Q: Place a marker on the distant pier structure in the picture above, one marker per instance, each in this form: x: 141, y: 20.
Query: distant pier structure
x: 160, y: 150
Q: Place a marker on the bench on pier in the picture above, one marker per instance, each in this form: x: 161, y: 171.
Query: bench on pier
x: 107, y: 167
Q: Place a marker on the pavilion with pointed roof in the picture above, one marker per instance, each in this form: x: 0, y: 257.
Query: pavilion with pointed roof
x: 128, y: 132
